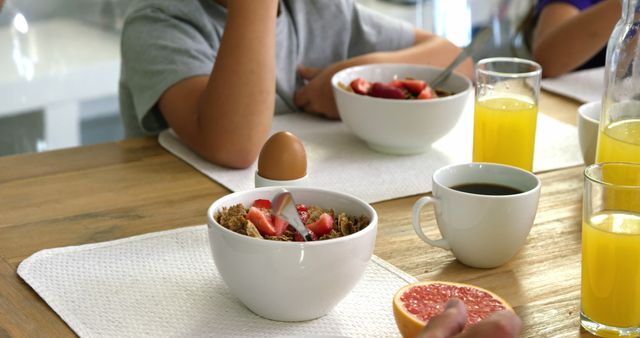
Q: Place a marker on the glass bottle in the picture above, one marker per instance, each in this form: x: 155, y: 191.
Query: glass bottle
x: 619, y: 135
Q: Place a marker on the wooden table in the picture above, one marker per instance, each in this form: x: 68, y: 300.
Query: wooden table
x: 103, y: 192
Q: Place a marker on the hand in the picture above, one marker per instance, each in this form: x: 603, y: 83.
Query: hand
x: 449, y: 324
x: 316, y: 96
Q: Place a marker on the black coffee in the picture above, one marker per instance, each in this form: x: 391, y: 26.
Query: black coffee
x: 486, y: 189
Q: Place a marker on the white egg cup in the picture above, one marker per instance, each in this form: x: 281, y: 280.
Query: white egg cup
x: 265, y: 182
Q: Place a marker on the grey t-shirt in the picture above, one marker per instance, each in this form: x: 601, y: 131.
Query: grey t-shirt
x: 165, y: 41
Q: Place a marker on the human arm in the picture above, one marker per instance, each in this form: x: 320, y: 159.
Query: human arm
x: 428, y: 49
x: 449, y: 324
x: 565, y: 37
x: 226, y: 116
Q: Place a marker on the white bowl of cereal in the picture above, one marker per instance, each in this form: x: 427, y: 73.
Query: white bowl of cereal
x: 393, y: 109
x: 289, y: 280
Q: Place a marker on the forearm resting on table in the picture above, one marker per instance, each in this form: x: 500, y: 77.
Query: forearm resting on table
x: 226, y: 117
x: 430, y: 50
x: 565, y: 38
x: 316, y: 96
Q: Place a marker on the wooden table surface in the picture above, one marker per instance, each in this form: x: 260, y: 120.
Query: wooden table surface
x: 115, y: 190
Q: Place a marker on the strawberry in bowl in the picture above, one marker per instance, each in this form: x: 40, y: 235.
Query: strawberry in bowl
x: 405, y: 89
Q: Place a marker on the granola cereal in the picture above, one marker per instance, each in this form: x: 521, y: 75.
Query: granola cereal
x: 259, y: 223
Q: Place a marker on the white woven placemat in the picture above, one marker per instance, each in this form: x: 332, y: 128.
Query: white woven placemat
x: 165, y: 284
x: 584, y: 85
x: 337, y: 160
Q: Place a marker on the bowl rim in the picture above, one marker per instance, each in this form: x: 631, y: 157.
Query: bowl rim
x: 334, y: 82
x: 217, y: 204
x: 582, y: 111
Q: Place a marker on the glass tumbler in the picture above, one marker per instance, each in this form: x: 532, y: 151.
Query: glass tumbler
x: 506, y: 111
x: 610, y: 303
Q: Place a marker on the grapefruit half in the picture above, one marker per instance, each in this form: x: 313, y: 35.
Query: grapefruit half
x: 416, y: 303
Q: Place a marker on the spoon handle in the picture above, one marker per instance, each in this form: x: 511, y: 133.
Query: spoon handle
x: 466, y: 52
x: 284, y: 206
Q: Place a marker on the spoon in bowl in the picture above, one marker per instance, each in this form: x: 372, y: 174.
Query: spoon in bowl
x: 480, y: 38
x: 284, y: 206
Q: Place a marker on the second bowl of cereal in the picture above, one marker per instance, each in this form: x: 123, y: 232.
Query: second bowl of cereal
x: 393, y: 108
x: 264, y: 263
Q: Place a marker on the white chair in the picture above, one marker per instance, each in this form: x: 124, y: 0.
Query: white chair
x: 54, y: 65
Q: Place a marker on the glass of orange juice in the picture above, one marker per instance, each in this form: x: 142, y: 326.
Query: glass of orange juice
x: 506, y: 111
x: 610, y: 305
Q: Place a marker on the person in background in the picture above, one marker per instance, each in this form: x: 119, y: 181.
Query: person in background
x: 215, y: 71
x: 449, y: 324
x: 568, y: 35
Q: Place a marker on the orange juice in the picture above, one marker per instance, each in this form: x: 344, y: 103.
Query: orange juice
x: 504, y: 131
x: 620, y: 142
x: 611, y: 269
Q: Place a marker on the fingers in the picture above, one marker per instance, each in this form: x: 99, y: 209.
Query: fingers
x: 301, y: 98
x: 447, y: 324
x: 314, y: 97
x: 308, y: 73
x: 314, y: 109
x: 502, y: 324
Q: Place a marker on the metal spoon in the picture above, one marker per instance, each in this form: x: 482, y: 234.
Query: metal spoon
x: 480, y: 38
x: 284, y: 206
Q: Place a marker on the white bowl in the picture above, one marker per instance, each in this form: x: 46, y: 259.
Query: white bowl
x: 399, y: 126
x: 292, y: 281
x: 588, y: 123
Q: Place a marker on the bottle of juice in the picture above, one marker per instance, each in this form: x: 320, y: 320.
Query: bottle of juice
x: 619, y: 133
x: 619, y: 136
x: 610, y: 305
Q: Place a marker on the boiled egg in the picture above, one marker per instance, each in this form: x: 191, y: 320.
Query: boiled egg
x: 282, y: 158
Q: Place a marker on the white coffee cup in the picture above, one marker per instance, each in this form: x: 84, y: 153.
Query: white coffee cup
x: 588, y: 122
x: 482, y: 231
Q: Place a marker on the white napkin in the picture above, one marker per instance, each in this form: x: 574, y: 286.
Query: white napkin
x: 584, y: 85
x: 165, y: 284
x: 338, y: 160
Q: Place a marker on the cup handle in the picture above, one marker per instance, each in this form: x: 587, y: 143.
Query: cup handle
x: 441, y: 243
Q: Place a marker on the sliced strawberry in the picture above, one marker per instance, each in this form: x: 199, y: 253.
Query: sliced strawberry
x: 261, y: 221
x: 415, y: 87
x: 303, y: 212
x: 360, y: 86
x: 262, y: 204
x: 425, y: 94
x: 385, y: 91
x: 304, y: 216
x: 322, y: 226
x: 396, y: 83
x: 279, y: 225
